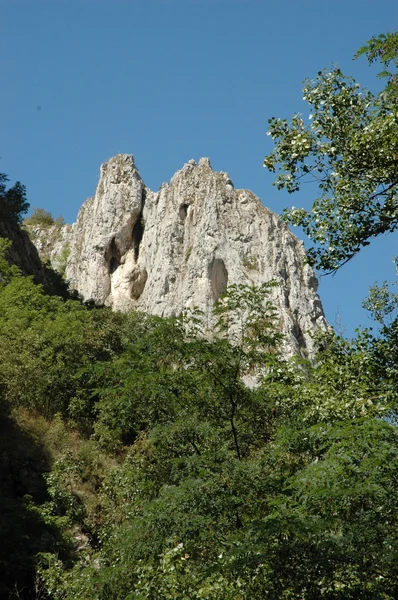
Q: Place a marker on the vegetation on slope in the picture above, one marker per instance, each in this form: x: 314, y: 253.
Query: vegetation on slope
x: 136, y: 463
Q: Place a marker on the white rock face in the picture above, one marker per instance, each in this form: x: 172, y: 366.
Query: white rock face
x: 132, y: 248
x: 102, y: 234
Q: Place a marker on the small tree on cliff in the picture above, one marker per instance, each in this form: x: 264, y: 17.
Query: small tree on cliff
x: 13, y: 203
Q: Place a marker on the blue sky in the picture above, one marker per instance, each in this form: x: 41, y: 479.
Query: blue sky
x: 170, y: 80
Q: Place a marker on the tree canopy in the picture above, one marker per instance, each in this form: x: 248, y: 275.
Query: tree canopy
x: 348, y: 147
x: 13, y: 202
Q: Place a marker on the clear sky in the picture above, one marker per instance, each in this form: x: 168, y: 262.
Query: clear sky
x: 171, y: 80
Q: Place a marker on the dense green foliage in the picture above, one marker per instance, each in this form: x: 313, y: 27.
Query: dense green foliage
x: 349, y: 148
x: 138, y: 464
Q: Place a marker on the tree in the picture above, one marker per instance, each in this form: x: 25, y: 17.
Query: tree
x: 13, y: 203
x: 349, y: 148
x: 45, y: 340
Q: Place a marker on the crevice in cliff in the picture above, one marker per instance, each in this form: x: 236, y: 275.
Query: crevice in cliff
x: 138, y: 229
x: 112, y: 256
x: 138, y: 280
x: 287, y: 298
x: 183, y: 211
x: 218, y: 276
x: 298, y: 334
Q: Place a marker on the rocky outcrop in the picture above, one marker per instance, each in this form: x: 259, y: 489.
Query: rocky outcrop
x: 35, y: 259
x: 180, y: 247
x: 52, y: 242
x: 22, y: 252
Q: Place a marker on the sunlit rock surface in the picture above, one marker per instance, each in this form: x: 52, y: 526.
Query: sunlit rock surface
x: 180, y: 247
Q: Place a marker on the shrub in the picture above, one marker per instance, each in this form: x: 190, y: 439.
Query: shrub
x: 42, y: 217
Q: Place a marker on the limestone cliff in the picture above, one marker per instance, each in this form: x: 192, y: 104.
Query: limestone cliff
x: 160, y: 252
x: 22, y: 252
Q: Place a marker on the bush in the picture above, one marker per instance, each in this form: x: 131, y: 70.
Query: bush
x: 41, y: 217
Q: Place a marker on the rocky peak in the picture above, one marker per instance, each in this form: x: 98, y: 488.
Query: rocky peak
x: 180, y: 247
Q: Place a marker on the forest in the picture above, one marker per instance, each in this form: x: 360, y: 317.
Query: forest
x: 137, y: 462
